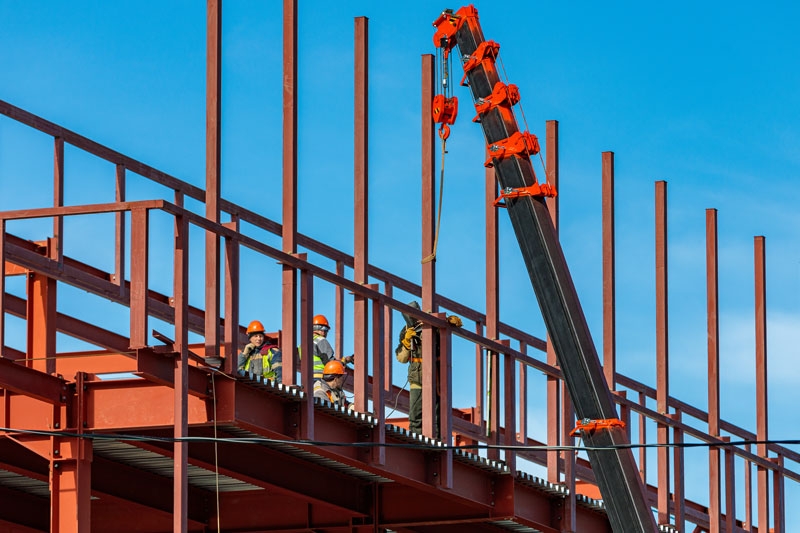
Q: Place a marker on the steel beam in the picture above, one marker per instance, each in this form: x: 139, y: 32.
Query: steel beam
x: 615, y: 469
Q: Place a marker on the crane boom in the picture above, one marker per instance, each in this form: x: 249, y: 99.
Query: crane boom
x: 613, y: 464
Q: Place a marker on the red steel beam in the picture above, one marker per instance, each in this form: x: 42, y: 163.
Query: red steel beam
x: 33, y: 383
x: 609, y: 274
x: 662, y: 351
x: 57, y: 251
x: 289, y: 203
x: 554, y: 386
x: 119, y: 231
x: 361, y: 208
x: 180, y: 492
x: 428, y: 200
x: 712, y: 313
x: 762, y: 430
x: 213, y: 180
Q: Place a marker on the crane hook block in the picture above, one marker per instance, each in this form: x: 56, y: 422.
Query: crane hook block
x: 501, y: 95
x: 449, y: 23
x: 444, y: 110
x: 520, y: 143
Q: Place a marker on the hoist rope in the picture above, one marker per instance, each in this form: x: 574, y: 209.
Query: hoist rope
x: 432, y: 257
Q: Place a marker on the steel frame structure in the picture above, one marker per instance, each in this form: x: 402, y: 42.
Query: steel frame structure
x: 81, y: 453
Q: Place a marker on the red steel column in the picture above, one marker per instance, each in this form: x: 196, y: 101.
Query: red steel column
x: 57, y: 250
x: 289, y: 217
x: 388, y: 346
x: 730, y: 488
x: 609, y: 274
x: 712, y: 304
x: 139, y: 274
x: 338, y: 306
x: 306, y: 347
x: 119, y: 232
x: 489, y: 371
x: 70, y: 485
x: 445, y: 405
x: 679, y: 494
x: 429, y: 304
x: 2, y: 283
x: 231, y: 299
x: 662, y: 351
x: 361, y: 206
x: 213, y: 182
x: 180, y: 492
x: 378, y: 385
x: 778, y: 496
x: 762, y: 433
x: 554, y: 405
x: 523, y: 396
x: 41, y: 326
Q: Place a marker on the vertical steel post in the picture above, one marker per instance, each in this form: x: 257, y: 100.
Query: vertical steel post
x: 361, y: 206
x: 378, y: 386
x: 2, y: 284
x: 712, y: 313
x: 307, y: 349
x: 289, y: 213
x: 522, y: 369
x: 730, y: 487
x: 662, y: 351
x: 388, y: 351
x: 139, y: 276
x: 57, y: 250
x: 555, y: 408
x: 492, y: 313
x: 338, y: 304
x: 445, y: 413
x: 679, y: 493
x: 609, y: 274
x: 180, y: 493
x: 231, y: 298
x: 778, y: 496
x: 762, y: 418
x: 119, y: 230
x: 213, y: 181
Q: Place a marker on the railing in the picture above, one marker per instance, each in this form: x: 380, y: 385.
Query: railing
x: 506, y: 417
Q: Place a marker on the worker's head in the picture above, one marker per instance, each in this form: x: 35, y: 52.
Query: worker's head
x: 334, y: 373
x: 255, y: 333
x: 320, y: 325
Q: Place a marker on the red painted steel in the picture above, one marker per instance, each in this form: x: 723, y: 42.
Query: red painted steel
x: 712, y: 305
x: 289, y: 235
x: 662, y: 351
x: 213, y: 181
x: 609, y: 273
x: 457, y: 496
x: 762, y: 429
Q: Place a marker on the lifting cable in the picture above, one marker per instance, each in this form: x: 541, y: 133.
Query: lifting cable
x: 444, y: 111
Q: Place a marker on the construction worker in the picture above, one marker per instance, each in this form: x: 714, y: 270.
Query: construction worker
x: 331, y: 386
x: 261, y: 356
x: 409, y: 351
x: 323, y: 351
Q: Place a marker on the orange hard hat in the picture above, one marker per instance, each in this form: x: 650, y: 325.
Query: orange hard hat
x: 334, y: 367
x: 255, y: 327
x: 320, y: 322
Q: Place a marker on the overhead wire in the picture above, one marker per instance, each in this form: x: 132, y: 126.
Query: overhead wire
x: 421, y: 445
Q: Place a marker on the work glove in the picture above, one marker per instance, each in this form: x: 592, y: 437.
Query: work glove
x: 410, y: 334
x: 348, y: 360
x: 455, y: 321
x: 249, y: 349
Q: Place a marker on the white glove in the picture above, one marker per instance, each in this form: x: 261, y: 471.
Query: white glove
x: 249, y: 348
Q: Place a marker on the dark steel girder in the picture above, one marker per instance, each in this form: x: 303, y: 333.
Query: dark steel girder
x: 615, y: 469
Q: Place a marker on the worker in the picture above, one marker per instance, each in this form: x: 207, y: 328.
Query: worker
x: 261, y: 356
x: 331, y: 385
x: 409, y: 351
x: 323, y: 351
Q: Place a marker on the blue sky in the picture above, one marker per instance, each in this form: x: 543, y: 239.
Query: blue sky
x: 703, y: 95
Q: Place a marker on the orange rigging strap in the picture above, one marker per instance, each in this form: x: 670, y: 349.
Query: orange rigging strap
x: 588, y: 425
x: 501, y: 95
x: 486, y: 53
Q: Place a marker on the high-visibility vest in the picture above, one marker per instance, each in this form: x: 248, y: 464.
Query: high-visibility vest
x: 323, y: 352
x: 266, y: 362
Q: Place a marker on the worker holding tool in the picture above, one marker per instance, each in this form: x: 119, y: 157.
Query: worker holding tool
x: 323, y: 351
x: 331, y: 385
x: 261, y: 356
x: 409, y: 351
